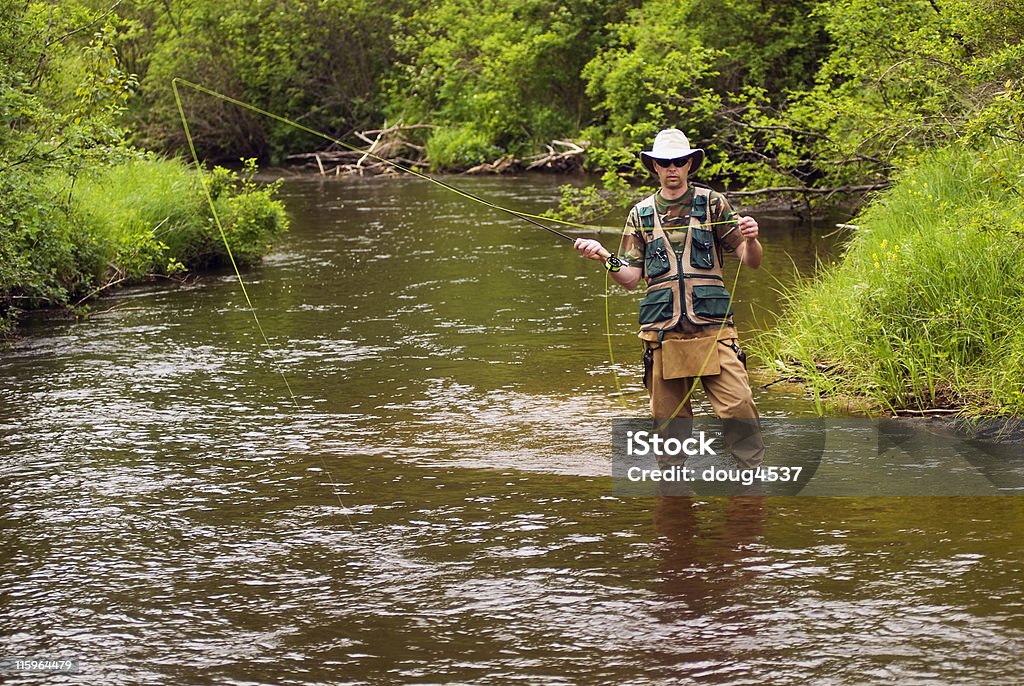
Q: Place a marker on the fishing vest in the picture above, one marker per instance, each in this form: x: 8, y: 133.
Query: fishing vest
x: 686, y: 283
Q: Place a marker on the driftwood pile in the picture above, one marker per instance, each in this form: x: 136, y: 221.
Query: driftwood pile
x: 567, y: 160
x: 381, y: 144
x: 387, y: 147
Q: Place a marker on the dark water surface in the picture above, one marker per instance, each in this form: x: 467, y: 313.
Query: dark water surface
x: 434, y: 505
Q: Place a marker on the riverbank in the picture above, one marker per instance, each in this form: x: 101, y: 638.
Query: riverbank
x: 68, y: 239
x: 923, y: 311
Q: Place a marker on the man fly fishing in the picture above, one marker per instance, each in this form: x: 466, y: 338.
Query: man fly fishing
x: 674, y: 241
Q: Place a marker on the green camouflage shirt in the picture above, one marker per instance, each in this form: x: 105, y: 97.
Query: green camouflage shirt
x: 675, y: 218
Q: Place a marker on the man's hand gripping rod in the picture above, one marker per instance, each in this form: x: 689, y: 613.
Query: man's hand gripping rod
x: 611, y: 262
x: 593, y: 250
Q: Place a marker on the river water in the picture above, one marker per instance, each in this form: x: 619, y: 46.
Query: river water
x: 433, y: 504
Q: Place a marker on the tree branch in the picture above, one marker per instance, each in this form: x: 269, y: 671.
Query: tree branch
x: 83, y: 28
x: 804, y: 190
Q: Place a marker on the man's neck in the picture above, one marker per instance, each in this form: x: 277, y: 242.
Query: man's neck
x: 675, y: 193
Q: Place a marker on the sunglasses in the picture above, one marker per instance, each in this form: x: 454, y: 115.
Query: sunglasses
x: 677, y: 162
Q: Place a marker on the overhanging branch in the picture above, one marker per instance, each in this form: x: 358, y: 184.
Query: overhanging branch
x: 806, y: 190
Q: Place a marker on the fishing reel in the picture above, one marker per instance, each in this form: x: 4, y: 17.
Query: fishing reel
x: 613, y: 263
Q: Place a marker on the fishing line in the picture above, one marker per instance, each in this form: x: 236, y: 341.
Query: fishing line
x: 608, y: 331
x: 241, y: 282
x: 534, y: 219
x: 612, y: 262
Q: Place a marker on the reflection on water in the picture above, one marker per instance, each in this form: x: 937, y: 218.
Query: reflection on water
x: 435, y: 506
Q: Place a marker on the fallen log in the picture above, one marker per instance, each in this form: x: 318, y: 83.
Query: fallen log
x: 568, y: 160
x: 324, y: 155
x: 502, y: 165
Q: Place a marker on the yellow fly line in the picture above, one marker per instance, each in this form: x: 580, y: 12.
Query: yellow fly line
x: 532, y: 218
x: 241, y: 283
x: 396, y: 165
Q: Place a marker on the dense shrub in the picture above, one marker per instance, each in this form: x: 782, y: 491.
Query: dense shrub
x: 458, y: 148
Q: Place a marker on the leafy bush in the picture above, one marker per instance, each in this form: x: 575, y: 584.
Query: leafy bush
x: 460, y: 147
x: 250, y: 216
x: 147, y: 217
x: 510, y: 70
x: 708, y: 68
x: 38, y: 248
x: 321, y: 62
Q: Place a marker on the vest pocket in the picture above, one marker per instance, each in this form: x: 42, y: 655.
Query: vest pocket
x: 702, y: 245
x: 656, y: 258
x: 656, y: 306
x: 711, y: 302
x: 646, y: 216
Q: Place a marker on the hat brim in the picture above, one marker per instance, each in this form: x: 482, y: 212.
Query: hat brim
x: 697, y: 154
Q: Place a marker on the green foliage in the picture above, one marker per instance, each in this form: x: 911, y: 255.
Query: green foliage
x: 901, y: 78
x: 37, y: 248
x: 150, y: 215
x: 706, y: 68
x: 60, y: 101
x: 318, y: 61
x: 460, y: 147
x: 511, y: 70
x: 79, y: 208
x: 924, y: 310
x: 144, y: 218
x: 249, y: 214
x: 153, y: 216
x: 810, y: 93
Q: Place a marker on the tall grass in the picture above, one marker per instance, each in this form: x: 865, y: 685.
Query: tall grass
x: 135, y: 211
x: 65, y: 240
x: 154, y: 216
x: 925, y: 309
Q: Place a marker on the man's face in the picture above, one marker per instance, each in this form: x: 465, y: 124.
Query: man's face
x: 672, y: 177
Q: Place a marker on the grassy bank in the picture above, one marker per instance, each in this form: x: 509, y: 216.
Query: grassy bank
x: 925, y: 308
x: 63, y: 241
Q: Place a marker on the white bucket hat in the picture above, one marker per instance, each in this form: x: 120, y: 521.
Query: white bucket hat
x: 671, y: 144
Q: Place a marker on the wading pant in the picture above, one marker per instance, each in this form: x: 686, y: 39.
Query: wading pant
x: 728, y: 392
